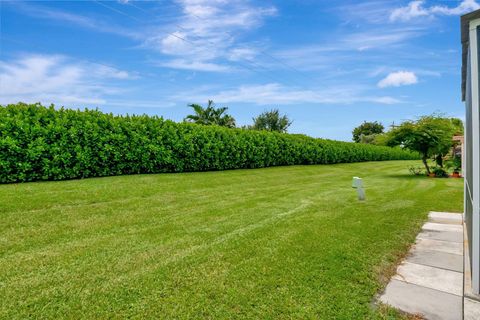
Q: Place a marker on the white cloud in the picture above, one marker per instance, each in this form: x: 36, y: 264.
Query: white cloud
x: 237, y: 54
x: 399, y: 78
x: 464, y: 7
x: 413, y: 10
x: 55, y: 79
x: 276, y: 94
x: 204, y: 37
x: 206, y: 33
x: 416, y: 9
x: 104, y: 71
x: 194, y: 65
x: 199, y: 9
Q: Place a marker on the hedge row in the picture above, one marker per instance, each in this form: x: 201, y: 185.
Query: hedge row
x: 44, y: 143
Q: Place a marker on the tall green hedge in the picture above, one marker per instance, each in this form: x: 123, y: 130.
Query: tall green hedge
x: 44, y: 143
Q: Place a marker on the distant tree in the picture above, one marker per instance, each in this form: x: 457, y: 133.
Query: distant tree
x: 369, y: 139
x: 367, y: 129
x: 271, y: 121
x: 431, y: 136
x: 381, y: 139
x: 210, y: 115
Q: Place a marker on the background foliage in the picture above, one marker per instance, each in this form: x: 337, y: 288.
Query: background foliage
x: 431, y: 136
x: 367, y: 131
x: 271, y: 121
x: 44, y: 143
x: 210, y: 115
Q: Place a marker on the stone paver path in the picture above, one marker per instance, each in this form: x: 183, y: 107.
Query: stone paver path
x: 429, y: 282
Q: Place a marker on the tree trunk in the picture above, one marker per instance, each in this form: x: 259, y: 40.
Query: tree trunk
x: 424, y: 160
x: 439, y: 160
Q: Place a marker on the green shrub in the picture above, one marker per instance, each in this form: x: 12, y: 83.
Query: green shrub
x: 440, y: 172
x: 417, y: 171
x: 454, y: 163
x: 44, y: 143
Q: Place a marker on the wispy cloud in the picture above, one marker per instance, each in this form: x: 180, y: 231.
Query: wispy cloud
x: 277, y: 94
x: 56, y: 79
x: 188, y: 64
x: 372, y: 12
x: 380, y: 39
x: 206, y: 34
x: 203, y: 37
x: 414, y: 9
x: 397, y: 79
x: 57, y: 15
x: 144, y: 104
x: 351, y: 51
x: 417, y: 9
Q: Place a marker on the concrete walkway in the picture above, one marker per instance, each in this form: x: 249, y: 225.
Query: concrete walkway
x: 429, y: 282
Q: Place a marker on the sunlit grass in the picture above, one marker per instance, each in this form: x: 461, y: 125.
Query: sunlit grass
x: 284, y: 242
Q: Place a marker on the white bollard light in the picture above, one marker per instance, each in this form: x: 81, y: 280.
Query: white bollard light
x: 357, y: 183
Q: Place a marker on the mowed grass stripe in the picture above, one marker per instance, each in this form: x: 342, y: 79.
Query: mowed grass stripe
x: 283, y: 242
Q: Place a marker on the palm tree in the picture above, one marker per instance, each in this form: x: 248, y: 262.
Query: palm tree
x: 210, y: 115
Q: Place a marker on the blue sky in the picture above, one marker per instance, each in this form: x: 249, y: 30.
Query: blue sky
x: 329, y: 65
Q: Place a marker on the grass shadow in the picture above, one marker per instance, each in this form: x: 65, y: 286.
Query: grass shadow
x: 407, y: 176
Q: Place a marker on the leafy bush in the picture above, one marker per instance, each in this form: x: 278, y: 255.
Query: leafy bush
x: 417, y: 171
x: 455, y: 164
x: 440, y: 172
x: 44, y: 143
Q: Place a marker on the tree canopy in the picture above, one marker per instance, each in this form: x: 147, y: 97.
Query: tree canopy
x: 210, y: 115
x: 458, y: 125
x: 431, y: 136
x: 271, y: 121
x: 366, y: 132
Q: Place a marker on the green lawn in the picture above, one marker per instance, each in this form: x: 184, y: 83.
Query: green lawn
x: 284, y: 242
